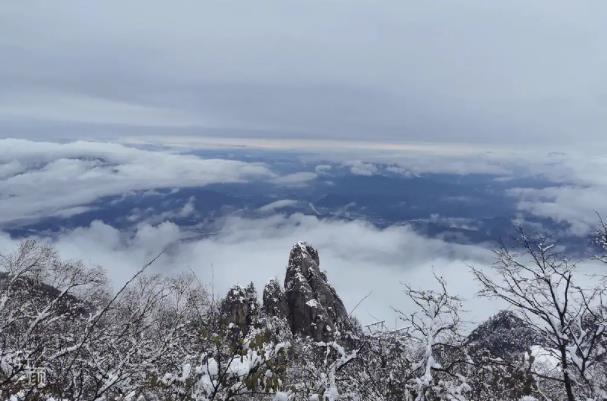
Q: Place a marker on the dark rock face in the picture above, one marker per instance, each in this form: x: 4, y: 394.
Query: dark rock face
x: 504, y: 335
x: 240, y: 307
x: 274, y: 301
x: 314, y: 308
x: 308, y: 304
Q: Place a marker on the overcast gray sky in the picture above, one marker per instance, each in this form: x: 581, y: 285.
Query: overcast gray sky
x: 450, y: 70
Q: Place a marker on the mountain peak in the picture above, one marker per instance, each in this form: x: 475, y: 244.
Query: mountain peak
x: 302, y: 251
x: 314, y: 307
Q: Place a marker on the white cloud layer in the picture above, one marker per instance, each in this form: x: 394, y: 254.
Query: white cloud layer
x: 579, y: 195
x: 359, y: 258
x: 279, y: 204
x: 59, y: 179
x: 295, y: 179
x: 44, y: 178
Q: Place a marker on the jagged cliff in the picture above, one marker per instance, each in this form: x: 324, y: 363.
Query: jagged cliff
x: 314, y: 308
x: 240, y: 306
x: 308, y: 302
x: 274, y: 300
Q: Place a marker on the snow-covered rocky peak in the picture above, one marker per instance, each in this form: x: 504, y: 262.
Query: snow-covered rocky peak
x: 314, y: 308
x: 303, y: 256
x: 308, y: 304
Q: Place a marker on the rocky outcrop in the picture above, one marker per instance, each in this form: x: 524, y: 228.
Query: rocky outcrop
x: 314, y: 308
x: 503, y: 335
x: 308, y: 304
x: 274, y: 300
x: 240, y: 307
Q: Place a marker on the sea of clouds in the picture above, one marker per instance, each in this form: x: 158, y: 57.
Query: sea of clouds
x: 39, y: 179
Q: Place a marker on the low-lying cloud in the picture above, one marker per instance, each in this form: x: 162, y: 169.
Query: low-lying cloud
x: 39, y: 179
x: 358, y: 257
x: 578, y: 193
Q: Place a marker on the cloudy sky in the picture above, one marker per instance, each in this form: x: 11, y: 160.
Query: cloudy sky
x: 474, y: 71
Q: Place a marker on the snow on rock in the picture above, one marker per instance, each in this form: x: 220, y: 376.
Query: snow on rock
x: 314, y: 308
x: 274, y: 301
x: 240, y: 307
x: 312, y: 303
x: 545, y: 359
x: 282, y: 396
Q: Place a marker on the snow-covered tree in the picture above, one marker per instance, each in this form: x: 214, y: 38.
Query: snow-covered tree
x: 570, y: 317
x: 434, y: 332
x: 45, y: 304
